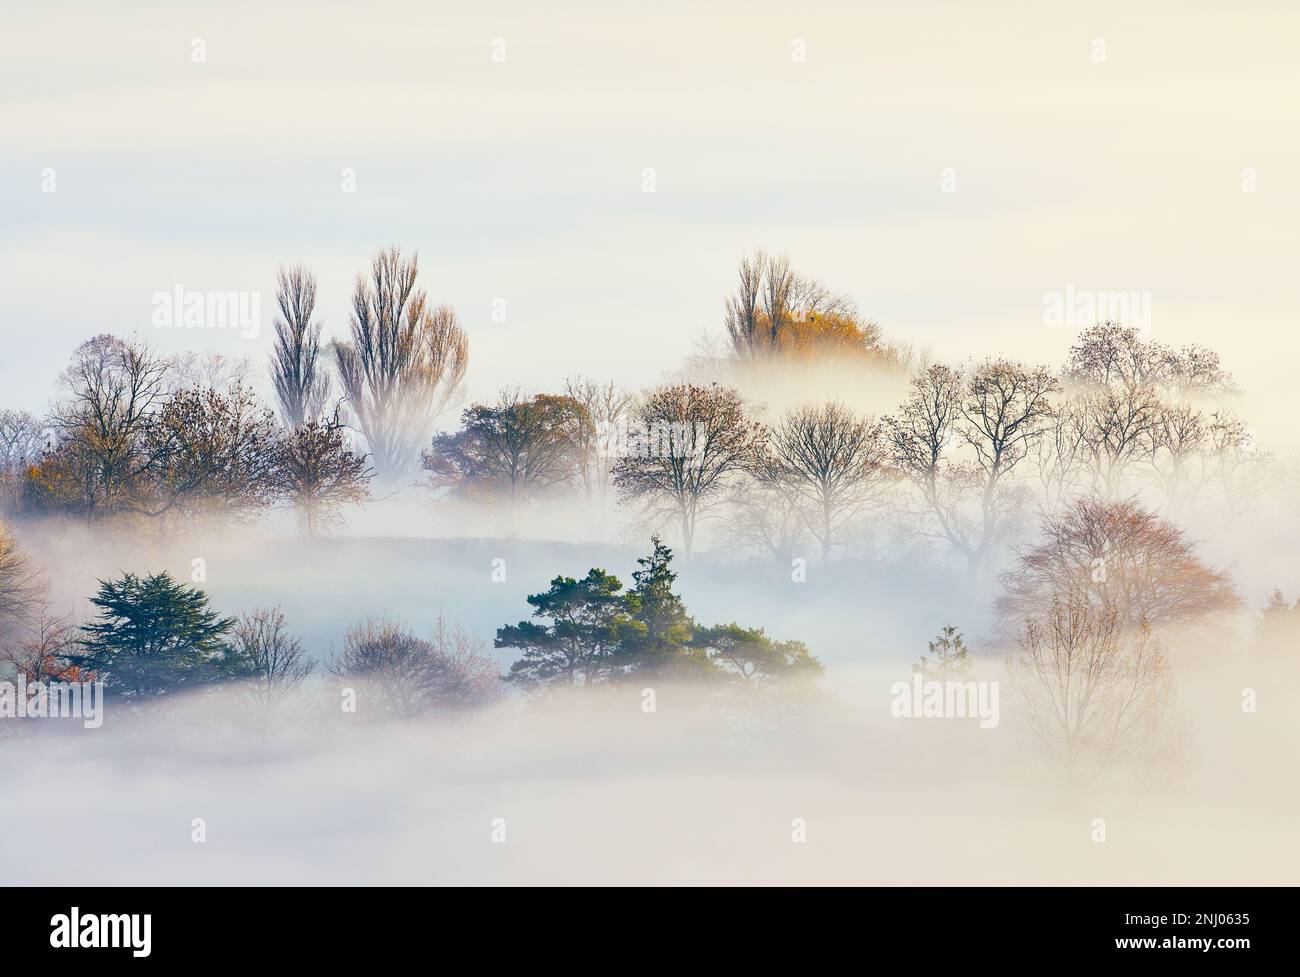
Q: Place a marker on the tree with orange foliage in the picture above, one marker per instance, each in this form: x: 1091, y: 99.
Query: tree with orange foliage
x: 1118, y: 556
x: 775, y: 311
x: 510, y: 453
x: 42, y: 653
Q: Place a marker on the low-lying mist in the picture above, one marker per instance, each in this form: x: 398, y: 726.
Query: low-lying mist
x: 588, y: 786
x: 592, y: 788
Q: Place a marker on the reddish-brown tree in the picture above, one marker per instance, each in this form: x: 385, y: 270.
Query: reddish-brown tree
x: 1118, y: 556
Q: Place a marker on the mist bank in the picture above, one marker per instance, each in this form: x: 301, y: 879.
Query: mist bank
x: 402, y: 557
x: 691, y: 792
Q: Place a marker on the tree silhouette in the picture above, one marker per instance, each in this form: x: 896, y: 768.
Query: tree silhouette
x: 155, y: 637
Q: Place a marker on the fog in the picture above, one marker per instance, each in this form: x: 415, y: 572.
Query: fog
x: 827, y: 786
x: 603, y: 792
x: 582, y: 204
x: 592, y: 788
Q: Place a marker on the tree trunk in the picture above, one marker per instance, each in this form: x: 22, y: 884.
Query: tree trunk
x: 826, y: 534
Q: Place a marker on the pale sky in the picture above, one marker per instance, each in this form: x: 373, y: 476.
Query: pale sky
x: 522, y: 180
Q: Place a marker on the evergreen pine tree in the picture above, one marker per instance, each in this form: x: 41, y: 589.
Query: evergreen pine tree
x: 591, y: 631
x: 154, y: 637
x: 587, y: 620
x: 1278, y: 629
x: 664, y: 646
x: 950, y: 658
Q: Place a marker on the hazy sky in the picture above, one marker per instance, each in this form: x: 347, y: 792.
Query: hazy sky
x: 522, y: 180
x: 1134, y: 146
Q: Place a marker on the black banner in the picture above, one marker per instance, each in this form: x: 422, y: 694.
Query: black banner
x: 143, y: 927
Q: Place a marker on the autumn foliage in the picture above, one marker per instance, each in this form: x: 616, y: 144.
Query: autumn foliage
x: 1121, y: 557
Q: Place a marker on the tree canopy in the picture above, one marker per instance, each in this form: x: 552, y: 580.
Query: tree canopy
x: 154, y: 636
x: 591, y: 631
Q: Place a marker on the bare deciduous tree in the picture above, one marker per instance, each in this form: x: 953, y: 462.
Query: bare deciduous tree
x: 599, y: 432
x: 760, y: 515
x: 20, y: 588
x: 1178, y: 441
x: 212, y: 454
x: 113, y: 389
x: 403, y: 364
x: 697, y: 439
x: 319, y: 473
x: 1061, y: 456
x: 1090, y: 692
x: 301, y: 385
x: 40, y: 650
x: 1234, y: 466
x: 1198, y: 455
x: 404, y: 677
x: 1115, y: 356
x: 272, y: 660
x: 134, y: 439
x: 208, y: 371
x: 22, y: 442
x: 1005, y: 409
x: 958, y: 439
x: 1120, y: 427
x: 830, y: 460
x: 743, y: 309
